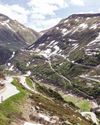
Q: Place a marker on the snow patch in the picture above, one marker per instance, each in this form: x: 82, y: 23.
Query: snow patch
x: 57, y: 28
x: 64, y: 34
x: 91, y: 52
x: 9, y: 64
x: 88, y: 18
x: 75, y: 45
x: 46, y: 118
x: 28, y: 73
x: 42, y: 44
x: 11, y: 68
x: 61, y: 64
x: 83, y: 26
x: 72, y: 40
x: 37, y: 50
x: 28, y: 64
x: 97, y: 40
x: 12, y: 56
x: 64, y: 30
x: 6, y: 23
x: 55, y: 43
x: 77, y: 20
x: 69, y: 25
x: 94, y: 26
x: 52, y: 42
x: 66, y: 21
x: 46, y: 53
x: 94, y: 104
x: 56, y: 48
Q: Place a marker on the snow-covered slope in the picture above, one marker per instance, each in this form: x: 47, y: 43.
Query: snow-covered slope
x: 79, y: 32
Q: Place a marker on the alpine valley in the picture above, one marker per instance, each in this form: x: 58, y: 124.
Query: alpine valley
x: 51, y: 77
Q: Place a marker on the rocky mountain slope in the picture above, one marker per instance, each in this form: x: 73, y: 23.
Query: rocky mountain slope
x: 14, y: 36
x: 67, y: 55
x: 77, y: 32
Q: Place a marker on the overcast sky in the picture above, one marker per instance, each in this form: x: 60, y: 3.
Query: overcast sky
x: 43, y: 14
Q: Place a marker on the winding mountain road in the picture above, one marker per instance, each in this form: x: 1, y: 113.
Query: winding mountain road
x: 22, y: 80
x: 90, y: 78
x: 61, y: 76
x: 10, y: 89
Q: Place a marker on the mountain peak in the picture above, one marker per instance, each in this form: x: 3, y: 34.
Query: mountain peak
x: 85, y: 15
x: 3, y: 17
x: 81, y: 16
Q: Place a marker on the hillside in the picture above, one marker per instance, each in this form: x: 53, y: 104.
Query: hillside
x: 67, y: 55
x: 14, y: 36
